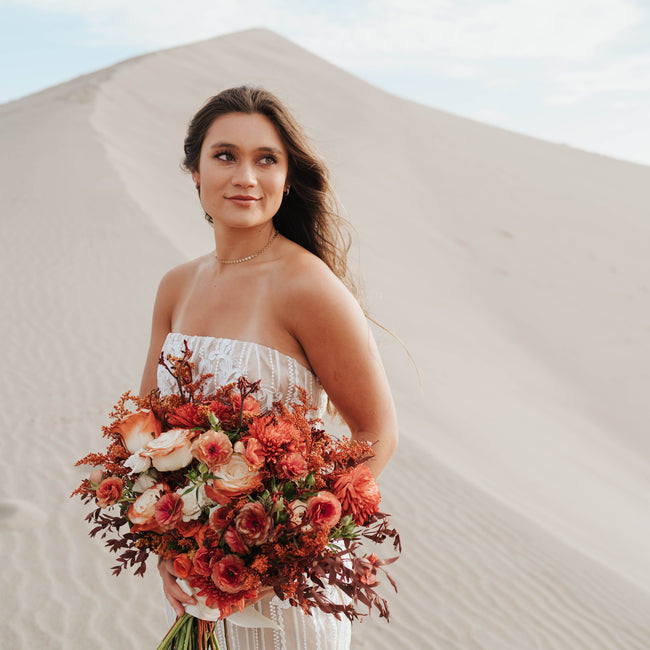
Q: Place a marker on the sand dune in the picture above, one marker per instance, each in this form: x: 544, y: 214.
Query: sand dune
x: 515, y: 270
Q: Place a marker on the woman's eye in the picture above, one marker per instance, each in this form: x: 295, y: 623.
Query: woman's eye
x: 224, y: 155
x: 269, y: 160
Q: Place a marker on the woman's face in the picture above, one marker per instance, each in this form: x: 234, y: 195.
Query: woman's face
x: 242, y: 170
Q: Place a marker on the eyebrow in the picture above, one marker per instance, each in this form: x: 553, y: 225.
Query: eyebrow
x: 229, y: 145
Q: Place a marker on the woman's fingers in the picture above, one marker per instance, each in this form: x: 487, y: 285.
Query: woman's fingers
x: 175, y: 595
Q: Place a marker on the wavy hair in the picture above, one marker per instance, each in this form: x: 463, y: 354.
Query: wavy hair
x: 309, y: 215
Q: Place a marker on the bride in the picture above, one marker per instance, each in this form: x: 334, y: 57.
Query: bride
x: 272, y: 302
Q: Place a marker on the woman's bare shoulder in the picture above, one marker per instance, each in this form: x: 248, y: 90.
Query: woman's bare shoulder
x: 309, y: 290
x: 179, y: 277
x: 305, y: 274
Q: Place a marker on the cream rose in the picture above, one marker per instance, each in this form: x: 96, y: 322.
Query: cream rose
x: 232, y: 479
x: 170, y: 451
x: 142, y: 510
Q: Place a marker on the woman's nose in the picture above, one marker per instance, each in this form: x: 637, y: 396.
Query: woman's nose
x: 244, y: 175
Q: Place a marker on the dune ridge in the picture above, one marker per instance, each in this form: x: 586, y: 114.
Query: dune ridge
x: 514, y: 270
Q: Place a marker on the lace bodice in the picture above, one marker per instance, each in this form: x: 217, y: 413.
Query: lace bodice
x: 229, y: 359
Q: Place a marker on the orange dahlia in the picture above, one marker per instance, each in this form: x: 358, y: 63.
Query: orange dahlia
x: 358, y: 492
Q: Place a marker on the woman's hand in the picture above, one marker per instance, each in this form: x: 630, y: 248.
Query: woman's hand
x: 174, y: 594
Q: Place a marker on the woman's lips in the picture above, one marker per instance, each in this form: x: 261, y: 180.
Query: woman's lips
x: 242, y: 200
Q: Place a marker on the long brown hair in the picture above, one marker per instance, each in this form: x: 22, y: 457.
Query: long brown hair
x: 309, y: 214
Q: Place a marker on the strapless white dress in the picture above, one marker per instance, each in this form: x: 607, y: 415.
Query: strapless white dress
x: 280, y: 375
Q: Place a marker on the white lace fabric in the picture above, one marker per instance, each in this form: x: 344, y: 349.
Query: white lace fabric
x: 281, y: 375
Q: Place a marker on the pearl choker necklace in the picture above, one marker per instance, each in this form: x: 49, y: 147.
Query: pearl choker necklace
x: 248, y: 257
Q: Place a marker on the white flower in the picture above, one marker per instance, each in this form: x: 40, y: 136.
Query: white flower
x: 137, y: 463
x: 191, y: 507
x: 193, y: 501
x: 203, y: 498
x: 143, y: 482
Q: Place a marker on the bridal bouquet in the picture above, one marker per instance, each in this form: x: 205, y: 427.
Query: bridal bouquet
x: 239, y: 498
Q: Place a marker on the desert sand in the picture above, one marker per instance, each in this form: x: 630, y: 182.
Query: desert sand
x: 516, y: 271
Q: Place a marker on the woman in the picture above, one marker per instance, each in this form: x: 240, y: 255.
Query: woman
x: 270, y: 303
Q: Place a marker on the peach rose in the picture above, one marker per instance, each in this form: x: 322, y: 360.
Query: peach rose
x: 212, y: 448
x: 358, y: 493
x: 139, y: 429
x: 232, y: 479
x: 253, y: 524
x: 109, y: 491
x: 254, y: 453
x: 170, y: 451
x: 235, y: 541
x: 142, y: 511
x: 292, y: 466
x: 229, y: 574
x: 323, y: 510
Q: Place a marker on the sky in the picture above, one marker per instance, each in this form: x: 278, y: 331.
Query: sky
x: 575, y: 72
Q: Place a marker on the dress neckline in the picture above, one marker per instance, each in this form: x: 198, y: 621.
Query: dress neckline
x: 259, y: 345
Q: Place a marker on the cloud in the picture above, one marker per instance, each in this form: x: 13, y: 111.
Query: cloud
x: 450, y: 36
x: 626, y: 74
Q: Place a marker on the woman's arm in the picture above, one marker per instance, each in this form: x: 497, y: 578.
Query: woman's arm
x: 161, y: 325
x: 334, y: 333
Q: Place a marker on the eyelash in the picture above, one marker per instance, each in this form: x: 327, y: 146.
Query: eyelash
x: 267, y: 156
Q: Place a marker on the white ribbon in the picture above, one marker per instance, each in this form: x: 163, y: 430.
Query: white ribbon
x: 248, y: 617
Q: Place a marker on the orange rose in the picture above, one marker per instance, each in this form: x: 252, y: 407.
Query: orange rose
x: 204, y: 559
x: 109, y: 491
x: 358, y: 492
x: 189, y: 528
x: 220, y: 518
x: 212, y: 448
x: 182, y: 565
x: 232, y: 480
x: 323, y: 510
x: 138, y: 429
